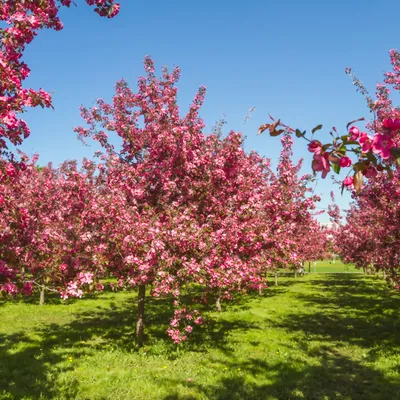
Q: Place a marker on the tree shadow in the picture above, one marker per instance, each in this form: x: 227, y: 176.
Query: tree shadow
x: 30, y: 364
x: 350, y: 309
x: 345, y: 310
x: 335, y: 377
x: 28, y: 372
x: 52, y: 298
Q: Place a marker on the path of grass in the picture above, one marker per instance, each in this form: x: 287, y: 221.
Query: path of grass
x: 324, y: 336
x: 329, y: 266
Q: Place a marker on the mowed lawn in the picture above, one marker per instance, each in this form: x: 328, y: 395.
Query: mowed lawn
x: 330, y: 267
x: 322, y: 336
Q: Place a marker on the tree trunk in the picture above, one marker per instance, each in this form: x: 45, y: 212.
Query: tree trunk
x: 295, y: 273
x: 276, y: 278
x: 140, y: 319
x: 218, y: 304
x: 384, y: 274
x: 41, y: 300
x: 309, y: 267
x: 259, y: 291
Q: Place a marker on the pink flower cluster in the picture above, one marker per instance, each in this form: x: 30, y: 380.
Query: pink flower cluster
x: 183, y: 316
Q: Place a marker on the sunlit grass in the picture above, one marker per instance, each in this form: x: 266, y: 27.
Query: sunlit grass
x: 322, y: 336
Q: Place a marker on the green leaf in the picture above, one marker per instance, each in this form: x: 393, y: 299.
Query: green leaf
x: 347, y: 142
x: 372, y: 158
x: 299, y: 133
x: 336, y: 168
x: 317, y: 128
x: 395, y: 153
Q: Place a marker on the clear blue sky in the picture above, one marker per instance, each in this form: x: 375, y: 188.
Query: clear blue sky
x: 283, y: 57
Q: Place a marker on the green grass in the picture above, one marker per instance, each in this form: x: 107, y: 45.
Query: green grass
x: 331, y: 266
x: 322, y: 336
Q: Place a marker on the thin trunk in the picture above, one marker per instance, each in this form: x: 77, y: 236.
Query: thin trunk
x: 140, y: 319
x: 260, y: 291
x: 218, y: 304
x: 309, y: 267
x: 384, y: 274
x: 295, y: 273
x: 276, y: 278
x: 41, y: 300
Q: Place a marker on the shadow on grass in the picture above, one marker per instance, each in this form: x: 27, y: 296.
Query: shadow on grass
x: 30, y: 364
x: 343, y: 309
x: 27, y: 372
x: 350, y: 309
x: 51, y: 298
x: 336, y: 377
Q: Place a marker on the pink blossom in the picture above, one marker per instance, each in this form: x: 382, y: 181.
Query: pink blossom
x: 366, y: 142
x: 354, y: 132
x: 9, y: 288
x: 85, y: 278
x: 315, y: 146
x: 393, y: 124
x: 27, y: 288
x: 381, y: 145
x: 321, y: 163
x: 370, y: 172
x: 348, y: 181
x: 345, y: 162
x: 199, y: 320
x: 10, y: 170
x: 63, y: 267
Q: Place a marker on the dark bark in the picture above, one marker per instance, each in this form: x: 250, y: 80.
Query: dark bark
x: 140, y: 319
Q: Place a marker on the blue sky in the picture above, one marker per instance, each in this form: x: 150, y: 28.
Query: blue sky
x: 286, y: 58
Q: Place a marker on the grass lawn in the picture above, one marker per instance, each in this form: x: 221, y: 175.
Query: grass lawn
x: 330, y: 266
x: 322, y: 337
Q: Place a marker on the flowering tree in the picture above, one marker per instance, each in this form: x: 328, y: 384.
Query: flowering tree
x: 149, y: 184
x: 314, y: 243
x: 371, y: 236
x: 290, y: 210
x: 180, y: 207
x: 24, y: 19
x: 47, y: 234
